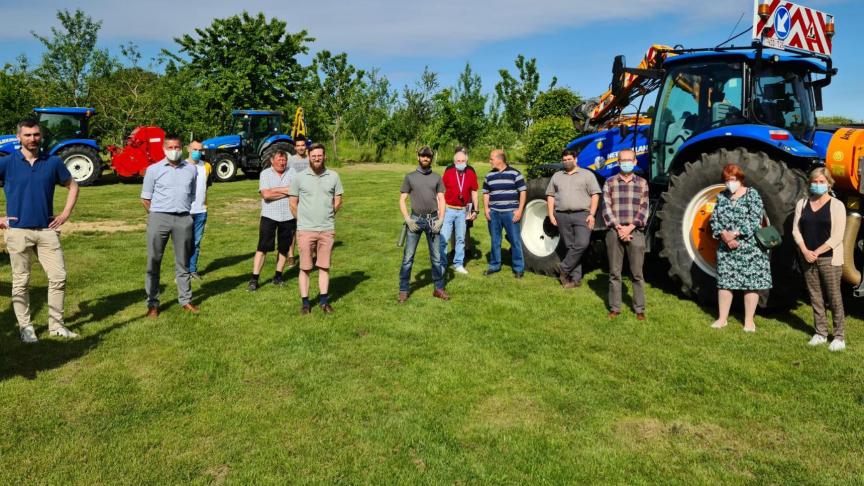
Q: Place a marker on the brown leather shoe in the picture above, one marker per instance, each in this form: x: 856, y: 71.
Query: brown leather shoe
x: 153, y: 312
x: 441, y: 294
x: 613, y: 314
x: 572, y: 285
x: 326, y: 308
x: 563, y: 278
x: 640, y: 316
x: 306, y: 309
x: 191, y: 309
x: 403, y: 296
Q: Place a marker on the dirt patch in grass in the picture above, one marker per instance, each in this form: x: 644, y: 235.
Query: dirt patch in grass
x: 508, y: 412
x: 101, y: 227
x: 647, y: 432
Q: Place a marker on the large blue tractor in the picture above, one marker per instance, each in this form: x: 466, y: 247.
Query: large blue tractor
x: 254, y: 136
x: 753, y: 106
x: 65, y: 133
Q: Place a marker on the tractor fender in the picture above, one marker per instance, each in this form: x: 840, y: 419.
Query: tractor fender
x: 752, y: 137
x: 275, y: 139
x: 223, y: 142
x: 75, y: 141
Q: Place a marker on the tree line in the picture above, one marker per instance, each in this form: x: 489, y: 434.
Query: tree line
x: 251, y: 61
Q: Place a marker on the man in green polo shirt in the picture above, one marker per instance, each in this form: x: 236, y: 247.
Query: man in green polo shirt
x: 315, y: 197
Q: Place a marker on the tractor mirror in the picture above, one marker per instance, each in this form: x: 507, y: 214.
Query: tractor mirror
x: 618, y: 75
x: 817, y: 95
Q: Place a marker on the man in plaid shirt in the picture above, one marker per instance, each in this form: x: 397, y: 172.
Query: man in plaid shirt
x: 625, y: 211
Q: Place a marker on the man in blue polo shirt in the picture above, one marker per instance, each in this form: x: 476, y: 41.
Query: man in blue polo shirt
x: 29, y: 178
x: 504, y: 200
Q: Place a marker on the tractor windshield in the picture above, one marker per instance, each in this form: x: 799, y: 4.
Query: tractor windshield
x: 781, y: 99
x: 695, y: 98
x: 57, y: 127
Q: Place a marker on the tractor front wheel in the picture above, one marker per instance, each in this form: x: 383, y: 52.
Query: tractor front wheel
x: 83, y: 163
x: 224, y: 167
x: 688, y: 244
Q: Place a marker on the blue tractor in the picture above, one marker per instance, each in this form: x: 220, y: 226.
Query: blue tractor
x: 65, y: 133
x: 254, y: 136
x: 754, y: 106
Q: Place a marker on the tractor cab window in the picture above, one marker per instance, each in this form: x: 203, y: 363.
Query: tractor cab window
x: 57, y: 127
x: 695, y: 98
x: 781, y: 99
x: 263, y: 127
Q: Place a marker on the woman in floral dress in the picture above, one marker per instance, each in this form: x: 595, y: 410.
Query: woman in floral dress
x: 741, y: 264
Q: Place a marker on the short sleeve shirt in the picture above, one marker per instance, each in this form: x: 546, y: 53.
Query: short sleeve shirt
x: 423, y: 189
x: 280, y: 209
x: 170, y: 188
x: 458, y: 184
x: 573, y: 192
x: 299, y: 164
x: 315, y: 211
x: 503, y: 187
x: 30, y: 188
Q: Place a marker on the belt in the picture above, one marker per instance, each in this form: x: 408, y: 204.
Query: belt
x: 572, y: 211
x: 425, y: 215
x: 186, y: 213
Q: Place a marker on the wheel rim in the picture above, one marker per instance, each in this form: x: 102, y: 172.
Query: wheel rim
x: 225, y: 169
x: 539, y: 236
x: 80, y: 167
x: 696, y: 229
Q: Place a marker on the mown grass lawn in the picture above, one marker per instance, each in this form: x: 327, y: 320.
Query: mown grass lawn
x: 509, y: 382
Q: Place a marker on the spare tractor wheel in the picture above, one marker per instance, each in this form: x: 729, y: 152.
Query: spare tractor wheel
x: 688, y: 244
x: 83, y: 163
x: 541, y: 243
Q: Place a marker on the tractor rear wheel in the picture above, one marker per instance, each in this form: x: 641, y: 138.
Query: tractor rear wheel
x: 684, y: 222
x: 83, y: 163
x: 224, y: 167
x: 541, y: 243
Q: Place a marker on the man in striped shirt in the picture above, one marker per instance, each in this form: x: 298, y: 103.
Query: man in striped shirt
x: 504, y: 200
x: 625, y: 211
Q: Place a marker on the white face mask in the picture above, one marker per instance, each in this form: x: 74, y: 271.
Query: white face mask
x: 733, y: 186
x: 461, y: 167
x: 173, y: 155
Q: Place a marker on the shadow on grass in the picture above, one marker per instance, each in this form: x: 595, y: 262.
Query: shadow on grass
x: 212, y: 288
x: 345, y: 284
x: 227, y: 261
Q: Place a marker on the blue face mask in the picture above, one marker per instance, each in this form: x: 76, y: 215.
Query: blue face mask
x: 818, y: 189
x: 627, y: 167
x: 195, y: 155
x: 460, y: 167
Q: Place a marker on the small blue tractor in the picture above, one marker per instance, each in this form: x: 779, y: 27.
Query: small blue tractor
x: 752, y: 105
x: 254, y: 136
x: 65, y: 133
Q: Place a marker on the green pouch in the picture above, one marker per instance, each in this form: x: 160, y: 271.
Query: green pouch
x: 768, y: 238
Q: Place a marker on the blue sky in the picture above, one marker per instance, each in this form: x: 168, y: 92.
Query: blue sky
x: 574, y: 40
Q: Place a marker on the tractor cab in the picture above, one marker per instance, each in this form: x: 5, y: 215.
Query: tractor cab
x: 252, y: 137
x: 255, y: 127
x: 59, y: 124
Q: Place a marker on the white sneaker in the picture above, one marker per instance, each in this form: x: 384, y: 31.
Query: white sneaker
x: 460, y: 269
x: 837, y: 345
x: 817, y: 339
x: 63, y: 332
x: 28, y: 335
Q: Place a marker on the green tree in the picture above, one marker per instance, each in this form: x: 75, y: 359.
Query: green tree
x: 339, y: 84
x: 469, y: 105
x: 517, y: 95
x: 244, y: 61
x: 554, y: 102
x: 545, y: 140
x: 17, y: 96
x: 835, y: 120
x: 71, y: 59
x: 418, y: 107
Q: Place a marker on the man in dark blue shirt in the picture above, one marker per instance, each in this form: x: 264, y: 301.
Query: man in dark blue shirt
x: 32, y: 229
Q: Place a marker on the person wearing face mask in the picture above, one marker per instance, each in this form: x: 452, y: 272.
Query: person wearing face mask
x: 741, y: 264
x: 625, y: 212
x: 426, y: 191
x: 572, y: 197
x: 199, y: 205
x: 460, y: 197
x: 818, y: 227
x: 167, y: 194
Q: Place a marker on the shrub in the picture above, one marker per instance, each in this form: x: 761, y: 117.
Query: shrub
x: 545, y: 140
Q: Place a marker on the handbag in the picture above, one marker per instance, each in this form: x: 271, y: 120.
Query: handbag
x: 768, y: 238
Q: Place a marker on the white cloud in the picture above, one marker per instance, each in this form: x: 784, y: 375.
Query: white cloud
x: 380, y: 27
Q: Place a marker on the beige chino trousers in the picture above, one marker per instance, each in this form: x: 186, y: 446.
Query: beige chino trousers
x: 44, y: 244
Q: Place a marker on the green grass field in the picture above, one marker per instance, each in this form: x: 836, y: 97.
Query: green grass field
x: 509, y: 382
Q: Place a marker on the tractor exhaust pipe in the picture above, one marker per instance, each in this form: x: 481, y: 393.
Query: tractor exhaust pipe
x: 851, y: 275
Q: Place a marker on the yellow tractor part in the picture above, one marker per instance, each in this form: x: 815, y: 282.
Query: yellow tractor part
x: 298, y: 128
x: 844, y: 158
x: 701, y: 237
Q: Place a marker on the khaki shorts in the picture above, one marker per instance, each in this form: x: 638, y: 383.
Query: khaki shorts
x: 317, y: 243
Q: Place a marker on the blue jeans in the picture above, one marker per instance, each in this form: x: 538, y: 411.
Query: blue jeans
x: 454, y: 221
x: 411, y: 242
x: 198, y: 222
x: 501, y: 220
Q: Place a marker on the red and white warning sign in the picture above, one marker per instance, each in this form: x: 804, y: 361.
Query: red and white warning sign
x: 785, y: 25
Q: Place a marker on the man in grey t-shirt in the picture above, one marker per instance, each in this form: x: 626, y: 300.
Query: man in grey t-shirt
x: 426, y: 191
x: 299, y: 162
x: 277, y: 222
x: 571, y: 199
